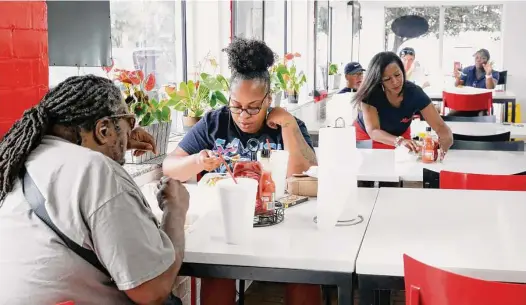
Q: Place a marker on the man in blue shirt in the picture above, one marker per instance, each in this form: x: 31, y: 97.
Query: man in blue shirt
x: 481, y: 75
x: 353, y: 76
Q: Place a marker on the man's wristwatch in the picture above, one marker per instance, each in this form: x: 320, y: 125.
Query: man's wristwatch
x: 398, y: 141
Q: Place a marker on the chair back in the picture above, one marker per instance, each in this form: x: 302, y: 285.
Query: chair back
x: 465, y: 181
x: 427, y: 285
x: 431, y: 179
x: 501, y: 137
x: 467, y: 102
x: 364, y: 144
x: 497, y: 146
x: 478, y: 119
x: 503, y: 77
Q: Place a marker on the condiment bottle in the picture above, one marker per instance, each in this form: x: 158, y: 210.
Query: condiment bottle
x: 428, y: 148
x: 267, y: 188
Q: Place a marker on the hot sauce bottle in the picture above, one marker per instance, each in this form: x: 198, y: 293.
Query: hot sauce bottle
x: 428, y: 149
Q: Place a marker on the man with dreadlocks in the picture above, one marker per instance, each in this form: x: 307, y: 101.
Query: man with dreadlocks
x: 72, y: 145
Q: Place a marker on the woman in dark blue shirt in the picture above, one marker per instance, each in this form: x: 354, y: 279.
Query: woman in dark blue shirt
x: 388, y: 102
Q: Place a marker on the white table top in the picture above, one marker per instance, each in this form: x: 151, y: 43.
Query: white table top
x: 475, y: 128
x: 296, y: 243
x: 381, y: 165
x: 436, y: 92
x: 474, y: 233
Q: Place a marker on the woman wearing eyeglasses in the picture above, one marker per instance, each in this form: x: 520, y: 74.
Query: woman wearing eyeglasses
x: 247, y: 120
x: 233, y: 130
x: 388, y: 103
x: 413, y: 69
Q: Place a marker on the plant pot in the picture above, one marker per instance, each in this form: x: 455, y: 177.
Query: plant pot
x: 335, y: 81
x: 189, y: 122
x: 292, y: 97
x: 276, y: 99
x: 161, y: 133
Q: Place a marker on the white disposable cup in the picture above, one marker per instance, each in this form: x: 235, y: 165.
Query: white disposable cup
x: 279, y: 161
x: 238, y: 203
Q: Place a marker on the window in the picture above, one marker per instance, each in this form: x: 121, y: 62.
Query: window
x: 248, y: 19
x: 465, y: 29
x: 427, y: 46
x: 468, y: 29
x: 275, y: 28
x: 143, y: 37
x: 322, y: 43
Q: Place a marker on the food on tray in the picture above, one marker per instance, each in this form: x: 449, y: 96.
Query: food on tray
x: 213, y: 180
x: 292, y: 200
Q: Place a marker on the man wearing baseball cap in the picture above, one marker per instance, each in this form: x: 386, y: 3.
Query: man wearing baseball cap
x: 353, y: 76
x: 480, y: 75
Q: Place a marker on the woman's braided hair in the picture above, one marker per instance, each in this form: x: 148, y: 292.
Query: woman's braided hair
x: 79, y: 101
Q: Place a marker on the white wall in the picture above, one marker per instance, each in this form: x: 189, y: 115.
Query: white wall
x: 372, y: 34
x: 514, y: 25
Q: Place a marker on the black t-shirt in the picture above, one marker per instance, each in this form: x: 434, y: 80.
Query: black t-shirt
x: 397, y: 120
x: 346, y: 90
x: 217, y: 131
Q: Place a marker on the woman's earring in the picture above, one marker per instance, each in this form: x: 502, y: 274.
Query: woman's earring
x: 383, y: 88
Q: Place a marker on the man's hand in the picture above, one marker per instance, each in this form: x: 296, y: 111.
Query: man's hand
x: 141, y: 141
x: 488, y: 67
x: 173, y: 194
x: 279, y: 117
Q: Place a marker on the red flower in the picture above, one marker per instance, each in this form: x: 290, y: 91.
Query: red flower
x: 150, y: 82
x: 197, y: 85
x: 124, y: 77
x: 140, y: 74
x: 297, y: 54
x: 289, y: 56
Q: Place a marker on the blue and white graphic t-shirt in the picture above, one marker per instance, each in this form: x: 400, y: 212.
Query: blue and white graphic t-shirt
x: 218, y: 132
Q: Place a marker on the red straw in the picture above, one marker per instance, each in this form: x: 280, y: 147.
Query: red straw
x: 227, y: 167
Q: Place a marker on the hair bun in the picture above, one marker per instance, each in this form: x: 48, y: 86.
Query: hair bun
x: 249, y: 56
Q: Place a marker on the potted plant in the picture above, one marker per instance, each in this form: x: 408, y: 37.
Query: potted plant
x: 289, y: 79
x: 334, y: 76
x: 153, y: 115
x: 195, y: 97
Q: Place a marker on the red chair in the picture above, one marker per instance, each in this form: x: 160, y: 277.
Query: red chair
x: 426, y: 285
x: 467, y: 102
x: 463, y: 181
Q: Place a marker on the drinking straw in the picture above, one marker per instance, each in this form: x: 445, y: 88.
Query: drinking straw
x: 227, y: 167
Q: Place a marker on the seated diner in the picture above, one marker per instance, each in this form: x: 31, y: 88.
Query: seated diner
x: 230, y: 130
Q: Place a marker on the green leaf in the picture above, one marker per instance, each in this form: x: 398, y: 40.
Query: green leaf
x: 147, y: 120
x: 293, y: 70
x: 180, y: 106
x: 213, y: 100
x: 154, y: 102
x: 212, y: 84
x: 221, y: 98
x: 224, y: 82
x: 183, y: 90
x: 282, y: 69
x: 199, y: 113
x: 158, y: 115
x: 165, y: 114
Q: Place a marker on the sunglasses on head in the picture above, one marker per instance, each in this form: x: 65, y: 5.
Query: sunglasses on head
x: 407, y: 52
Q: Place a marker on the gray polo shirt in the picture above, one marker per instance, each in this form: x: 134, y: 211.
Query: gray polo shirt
x: 94, y: 201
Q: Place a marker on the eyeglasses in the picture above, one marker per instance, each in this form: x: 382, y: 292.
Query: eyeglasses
x: 249, y: 111
x: 130, y: 117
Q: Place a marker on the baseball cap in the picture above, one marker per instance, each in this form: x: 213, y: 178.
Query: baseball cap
x: 353, y: 67
x: 482, y: 52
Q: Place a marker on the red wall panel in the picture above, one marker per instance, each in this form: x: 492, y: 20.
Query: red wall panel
x: 24, y: 66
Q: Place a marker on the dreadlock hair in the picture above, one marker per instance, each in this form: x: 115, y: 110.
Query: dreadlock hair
x: 250, y: 59
x: 78, y: 102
